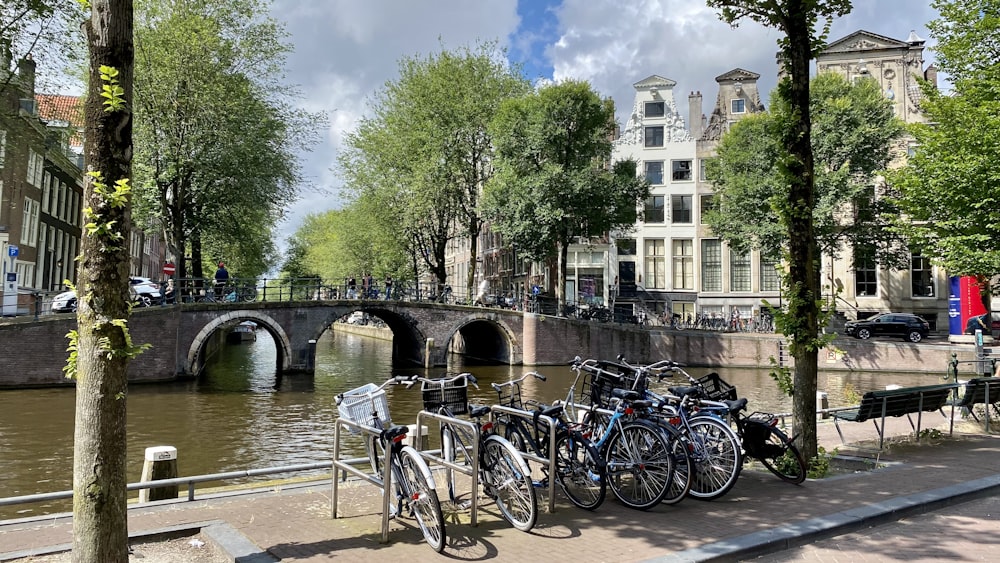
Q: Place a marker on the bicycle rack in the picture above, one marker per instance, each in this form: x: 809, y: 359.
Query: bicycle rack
x: 384, y: 484
x: 472, y: 470
x: 552, y: 445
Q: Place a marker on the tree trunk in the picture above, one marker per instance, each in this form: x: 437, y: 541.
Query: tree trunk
x: 100, y: 525
x: 804, y: 290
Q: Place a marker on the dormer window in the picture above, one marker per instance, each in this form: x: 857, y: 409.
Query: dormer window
x: 739, y: 105
x: 655, y: 109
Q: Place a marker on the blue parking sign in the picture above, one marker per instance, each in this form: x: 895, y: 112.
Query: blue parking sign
x: 12, y: 250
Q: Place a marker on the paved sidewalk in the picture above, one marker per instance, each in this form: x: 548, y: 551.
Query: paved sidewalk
x: 761, y: 514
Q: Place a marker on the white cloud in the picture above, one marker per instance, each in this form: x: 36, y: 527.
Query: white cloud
x: 345, y: 50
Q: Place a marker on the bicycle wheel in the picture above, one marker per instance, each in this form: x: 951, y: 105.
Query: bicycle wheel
x: 422, y: 498
x: 683, y: 466
x: 640, y: 467
x: 451, y: 444
x: 508, y: 479
x: 715, y: 451
x: 580, y: 471
x: 248, y: 294
x: 780, y: 456
x: 515, y: 435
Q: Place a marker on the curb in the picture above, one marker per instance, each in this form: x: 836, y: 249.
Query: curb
x: 804, y: 532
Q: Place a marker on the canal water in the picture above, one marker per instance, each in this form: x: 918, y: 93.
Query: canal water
x: 239, y: 415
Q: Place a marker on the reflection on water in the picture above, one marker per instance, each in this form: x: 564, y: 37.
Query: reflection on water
x: 240, y: 415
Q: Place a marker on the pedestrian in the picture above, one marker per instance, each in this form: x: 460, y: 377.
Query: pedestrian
x: 388, y: 287
x: 480, y: 299
x: 368, y: 287
x: 221, y: 278
x: 352, y: 288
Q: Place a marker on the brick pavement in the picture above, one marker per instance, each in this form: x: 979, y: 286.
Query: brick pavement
x: 294, y: 524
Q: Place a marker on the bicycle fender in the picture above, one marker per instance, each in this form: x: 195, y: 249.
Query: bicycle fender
x: 522, y: 465
x: 424, y: 469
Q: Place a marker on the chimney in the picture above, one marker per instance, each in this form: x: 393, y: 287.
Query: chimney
x: 930, y: 75
x: 695, y: 122
x: 26, y: 75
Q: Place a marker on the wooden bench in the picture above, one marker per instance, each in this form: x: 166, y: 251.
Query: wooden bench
x: 981, y: 391
x: 877, y: 405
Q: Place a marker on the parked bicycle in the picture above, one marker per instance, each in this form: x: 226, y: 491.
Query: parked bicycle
x: 411, y: 479
x: 504, y: 474
x: 579, y: 468
x: 758, y: 432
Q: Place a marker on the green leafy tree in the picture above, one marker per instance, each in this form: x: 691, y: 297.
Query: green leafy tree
x: 426, y: 153
x: 217, y: 130
x: 46, y: 30
x: 948, y: 189
x: 853, y: 131
x: 101, y: 347
x: 802, y: 40
x: 553, y: 181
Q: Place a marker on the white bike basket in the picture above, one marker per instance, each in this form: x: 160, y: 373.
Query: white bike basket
x: 357, y: 406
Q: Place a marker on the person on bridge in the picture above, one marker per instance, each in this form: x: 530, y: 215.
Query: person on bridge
x: 388, y: 287
x: 221, y: 278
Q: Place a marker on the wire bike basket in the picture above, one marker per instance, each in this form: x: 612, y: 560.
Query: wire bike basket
x: 453, y: 395
x: 358, y: 404
x: 597, y: 386
x: 716, y: 388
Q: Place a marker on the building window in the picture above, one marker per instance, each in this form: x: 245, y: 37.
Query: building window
x: 707, y: 204
x: 865, y: 272
x: 703, y: 169
x: 711, y: 265
x: 921, y: 272
x: 770, y: 277
x: 655, y: 109
x: 739, y: 105
x: 681, y: 170
x: 656, y: 264
x: 626, y: 246
x: 680, y: 209
x: 654, y: 136
x: 739, y: 271
x: 29, y: 223
x: 683, y: 263
x: 654, y: 209
x: 654, y: 172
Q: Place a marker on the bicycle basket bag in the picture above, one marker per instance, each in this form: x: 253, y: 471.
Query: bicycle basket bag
x: 454, y: 396
x: 755, y: 436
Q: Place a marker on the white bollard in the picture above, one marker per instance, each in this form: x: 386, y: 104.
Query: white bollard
x: 160, y: 463
x: 822, y: 403
x: 411, y: 437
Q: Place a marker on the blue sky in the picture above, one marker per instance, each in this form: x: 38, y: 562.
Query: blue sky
x: 345, y: 50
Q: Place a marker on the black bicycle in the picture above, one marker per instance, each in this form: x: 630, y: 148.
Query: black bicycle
x: 580, y: 471
x: 504, y: 474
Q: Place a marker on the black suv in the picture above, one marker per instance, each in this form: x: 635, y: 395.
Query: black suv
x: 903, y: 325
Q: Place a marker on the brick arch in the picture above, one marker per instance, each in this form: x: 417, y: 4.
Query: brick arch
x: 262, y: 319
x: 505, y: 336
x: 407, y: 338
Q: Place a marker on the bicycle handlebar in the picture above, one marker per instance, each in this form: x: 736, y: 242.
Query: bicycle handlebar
x: 442, y: 382
x: 535, y: 374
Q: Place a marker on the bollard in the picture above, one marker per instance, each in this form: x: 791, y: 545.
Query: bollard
x: 410, y: 439
x: 160, y: 463
x: 428, y: 349
x: 822, y: 404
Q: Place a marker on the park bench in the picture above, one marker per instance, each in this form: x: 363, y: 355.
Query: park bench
x: 981, y: 391
x: 879, y: 405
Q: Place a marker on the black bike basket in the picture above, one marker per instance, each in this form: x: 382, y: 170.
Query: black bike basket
x: 454, y: 396
x: 717, y: 388
x: 598, y: 387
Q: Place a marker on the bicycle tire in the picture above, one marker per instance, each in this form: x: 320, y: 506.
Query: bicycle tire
x: 580, y: 471
x: 780, y: 456
x: 422, y: 497
x: 716, y: 453
x: 683, y: 466
x: 376, y: 454
x: 248, y: 295
x: 509, y: 480
x: 515, y: 435
x: 640, y: 465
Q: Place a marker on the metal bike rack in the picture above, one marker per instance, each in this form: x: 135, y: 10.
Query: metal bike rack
x: 384, y: 484
x: 528, y: 455
x: 472, y: 470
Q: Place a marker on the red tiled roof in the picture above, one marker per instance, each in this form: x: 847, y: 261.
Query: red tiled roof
x: 62, y: 108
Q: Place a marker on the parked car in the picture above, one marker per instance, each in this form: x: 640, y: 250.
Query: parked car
x: 901, y: 325
x: 144, y: 292
x: 65, y: 302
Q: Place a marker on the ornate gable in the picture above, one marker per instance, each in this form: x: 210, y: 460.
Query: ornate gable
x: 654, y: 81
x: 862, y: 40
x: 737, y: 75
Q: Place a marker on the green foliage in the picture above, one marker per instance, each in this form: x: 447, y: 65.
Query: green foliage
x: 552, y: 181
x: 819, y: 465
x: 853, y: 129
x: 782, y: 376
x: 784, y: 13
x: 48, y: 31
x: 69, y: 370
x: 948, y: 187
x: 111, y: 90
x: 851, y: 394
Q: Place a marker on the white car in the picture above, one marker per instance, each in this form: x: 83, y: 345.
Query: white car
x: 144, y: 292
x: 65, y: 302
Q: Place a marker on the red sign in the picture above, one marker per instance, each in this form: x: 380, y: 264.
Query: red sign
x: 168, y: 269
